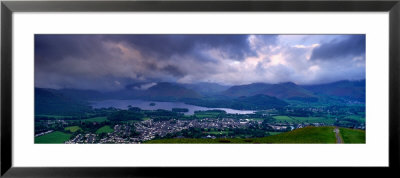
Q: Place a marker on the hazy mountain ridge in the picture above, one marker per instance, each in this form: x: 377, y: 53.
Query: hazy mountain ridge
x: 351, y: 90
x: 256, y: 96
x: 51, y: 101
x: 287, y: 90
x: 165, y: 91
x: 206, y: 88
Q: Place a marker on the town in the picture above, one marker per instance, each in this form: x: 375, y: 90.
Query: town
x: 135, y: 126
x: 150, y: 129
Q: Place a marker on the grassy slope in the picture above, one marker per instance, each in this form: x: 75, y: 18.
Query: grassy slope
x: 352, y: 135
x: 105, y: 129
x: 54, y: 137
x: 72, y: 128
x: 304, y: 135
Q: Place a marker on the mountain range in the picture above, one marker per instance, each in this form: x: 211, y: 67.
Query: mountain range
x: 250, y: 96
x: 351, y: 90
x: 287, y: 90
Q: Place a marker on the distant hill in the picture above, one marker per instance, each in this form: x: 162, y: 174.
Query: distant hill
x: 169, y: 91
x: 304, y: 135
x: 90, y: 95
x: 205, y: 88
x: 162, y: 91
x: 80, y: 94
x: 287, y: 90
x: 352, y: 90
x: 50, y: 101
x: 254, y: 96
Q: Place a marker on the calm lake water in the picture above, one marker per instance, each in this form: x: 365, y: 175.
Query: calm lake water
x: 145, y: 105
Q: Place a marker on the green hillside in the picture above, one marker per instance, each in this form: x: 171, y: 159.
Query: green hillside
x: 352, y: 135
x: 303, y: 135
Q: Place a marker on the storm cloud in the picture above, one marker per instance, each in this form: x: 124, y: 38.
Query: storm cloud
x: 112, y: 62
x: 353, y: 45
x: 164, y: 46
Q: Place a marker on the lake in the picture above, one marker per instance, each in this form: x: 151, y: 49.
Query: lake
x: 145, y: 105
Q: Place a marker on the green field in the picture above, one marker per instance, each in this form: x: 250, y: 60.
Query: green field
x: 299, y: 120
x: 314, y: 120
x: 104, y: 129
x: 284, y: 119
x: 53, y: 116
x: 352, y: 135
x: 54, y: 137
x: 72, y: 128
x: 356, y: 117
x: 96, y: 119
x: 207, y: 114
x: 303, y: 135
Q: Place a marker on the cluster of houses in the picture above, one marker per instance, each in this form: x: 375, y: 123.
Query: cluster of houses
x: 149, y: 129
x: 44, y: 133
x: 83, y: 138
x: 120, y: 134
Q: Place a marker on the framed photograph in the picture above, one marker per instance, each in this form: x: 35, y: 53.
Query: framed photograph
x: 136, y: 88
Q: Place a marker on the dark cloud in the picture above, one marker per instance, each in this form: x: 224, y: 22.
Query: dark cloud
x: 112, y: 62
x: 71, y: 59
x: 173, y: 70
x: 353, y: 45
x: 57, y: 47
x: 234, y: 46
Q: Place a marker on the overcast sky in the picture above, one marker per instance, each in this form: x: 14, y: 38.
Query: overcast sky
x: 112, y: 62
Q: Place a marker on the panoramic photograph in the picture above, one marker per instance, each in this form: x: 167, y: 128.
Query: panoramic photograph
x: 199, y: 89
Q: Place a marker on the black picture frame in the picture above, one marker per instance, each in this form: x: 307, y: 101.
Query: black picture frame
x: 8, y: 7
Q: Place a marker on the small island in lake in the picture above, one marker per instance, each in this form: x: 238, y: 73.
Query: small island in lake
x: 152, y: 104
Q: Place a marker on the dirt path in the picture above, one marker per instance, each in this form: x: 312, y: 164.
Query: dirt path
x: 337, y: 134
